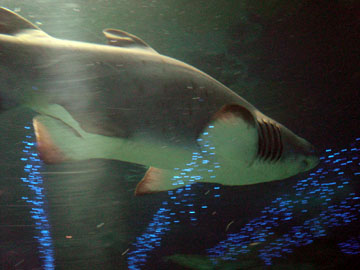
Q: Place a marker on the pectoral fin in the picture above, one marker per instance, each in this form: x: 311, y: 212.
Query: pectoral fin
x: 155, y: 180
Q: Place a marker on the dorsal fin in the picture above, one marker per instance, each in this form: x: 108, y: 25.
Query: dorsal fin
x: 120, y: 38
x: 12, y: 23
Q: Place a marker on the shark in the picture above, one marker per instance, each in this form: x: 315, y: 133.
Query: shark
x: 125, y: 101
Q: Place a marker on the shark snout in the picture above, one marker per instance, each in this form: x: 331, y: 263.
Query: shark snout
x: 311, y: 157
x: 303, y: 153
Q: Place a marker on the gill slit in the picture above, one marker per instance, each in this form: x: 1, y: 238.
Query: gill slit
x: 270, y: 145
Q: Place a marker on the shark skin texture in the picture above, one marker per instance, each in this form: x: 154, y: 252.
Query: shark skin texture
x: 125, y: 101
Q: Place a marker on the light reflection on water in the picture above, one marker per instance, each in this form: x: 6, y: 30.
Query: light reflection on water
x: 37, y: 199
x: 308, y: 211
x: 314, y: 206
x: 308, y: 214
x: 170, y: 213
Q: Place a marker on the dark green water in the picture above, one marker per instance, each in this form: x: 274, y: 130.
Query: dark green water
x: 297, y: 61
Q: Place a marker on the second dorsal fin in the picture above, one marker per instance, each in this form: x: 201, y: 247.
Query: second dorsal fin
x: 121, y: 38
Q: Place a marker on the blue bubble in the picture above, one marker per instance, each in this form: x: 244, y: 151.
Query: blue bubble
x: 161, y: 221
x: 37, y: 201
x: 329, y: 213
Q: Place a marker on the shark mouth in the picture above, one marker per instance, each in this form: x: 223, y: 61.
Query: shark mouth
x: 270, y: 145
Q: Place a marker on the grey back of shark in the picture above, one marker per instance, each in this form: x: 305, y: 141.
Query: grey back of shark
x: 125, y: 101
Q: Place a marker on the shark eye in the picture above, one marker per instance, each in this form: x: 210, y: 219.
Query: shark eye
x: 304, y: 164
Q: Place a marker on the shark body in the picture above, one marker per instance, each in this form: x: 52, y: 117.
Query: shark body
x: 127, y: 102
